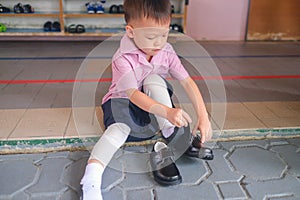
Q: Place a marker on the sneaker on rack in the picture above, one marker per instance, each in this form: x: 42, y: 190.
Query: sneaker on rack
x: 28, y: 8
x: 99, y: 7
x: 90, y: 6
x: 4, y: 9
x: 18, y: 8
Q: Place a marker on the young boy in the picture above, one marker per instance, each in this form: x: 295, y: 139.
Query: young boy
x: 138, y: 103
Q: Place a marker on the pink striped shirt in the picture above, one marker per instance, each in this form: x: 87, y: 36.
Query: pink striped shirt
x: 130, y: 67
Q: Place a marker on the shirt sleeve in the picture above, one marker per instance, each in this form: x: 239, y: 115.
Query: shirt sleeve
x: 176, y: 70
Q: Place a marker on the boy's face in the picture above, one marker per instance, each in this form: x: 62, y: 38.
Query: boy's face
x: 148, y: 35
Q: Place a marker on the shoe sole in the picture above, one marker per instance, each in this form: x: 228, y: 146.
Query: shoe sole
x: 167, y: 183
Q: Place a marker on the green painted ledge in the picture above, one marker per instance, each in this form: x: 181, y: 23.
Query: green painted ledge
x: 76, y: 144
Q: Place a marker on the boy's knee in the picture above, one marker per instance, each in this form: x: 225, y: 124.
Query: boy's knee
x: 155, y: 79
x: 117, y: 132
x: 112, y: 139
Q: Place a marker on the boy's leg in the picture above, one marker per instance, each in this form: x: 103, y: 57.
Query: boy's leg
x: 178, y: 138
x: 156, y: 88
x: 112, y: 139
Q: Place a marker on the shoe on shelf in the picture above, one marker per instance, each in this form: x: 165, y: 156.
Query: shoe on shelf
x: 18, y: 8
x: 99, y: 9
x: 90, y: 6
x: 197, y: 150
x: 120, y: 9
x: 2, y: 28
x: 176, y: 27
x: 113, y: 9
x: 55, y: 27
x: 48, y: 26
x: 4, y: 9
x: 73, y: 28
x: 164, y: 170
x: 28, y: 8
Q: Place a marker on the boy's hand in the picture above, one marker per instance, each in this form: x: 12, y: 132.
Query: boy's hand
x: 178, y: 117
x: 204, y: 126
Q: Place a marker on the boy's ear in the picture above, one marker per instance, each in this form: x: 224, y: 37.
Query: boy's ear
x: 129, y: 31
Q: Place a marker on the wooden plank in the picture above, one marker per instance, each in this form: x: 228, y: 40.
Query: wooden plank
x: 274, y: 20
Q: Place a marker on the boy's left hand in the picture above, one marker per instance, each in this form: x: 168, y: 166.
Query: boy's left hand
x: 204, y: 126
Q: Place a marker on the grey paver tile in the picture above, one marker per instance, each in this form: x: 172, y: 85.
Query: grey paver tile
x: 221, y: 171
x: 44, y: 196
x: 19, y: 196
x: 203, y: 191
x: 135, y: 162
x: 232, y: 190
x: 76, y: 155
x: 141, y: 180
x: 257, y: 163
x: 145, y: 194
x: 70, y: 195
x: 294, y: 141
x: 229, y: 145
x: 113, y: 175
x: 291, y: 157
x: 10, y: 173
x: 51, y: 172
x: 286, y: 187
x: 192, y: 170
x: 115, y: 193
x: 73, y: 173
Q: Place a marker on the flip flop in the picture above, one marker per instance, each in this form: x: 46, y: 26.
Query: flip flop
x: 2, y: 28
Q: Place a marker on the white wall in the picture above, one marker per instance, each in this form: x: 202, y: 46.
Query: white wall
x: 217, y: 19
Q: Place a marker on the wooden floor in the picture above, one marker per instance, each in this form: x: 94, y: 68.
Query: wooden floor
x: 254, y: 87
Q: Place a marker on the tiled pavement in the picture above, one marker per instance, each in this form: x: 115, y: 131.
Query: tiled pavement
x: 31, y: 114
x: 257, y: 169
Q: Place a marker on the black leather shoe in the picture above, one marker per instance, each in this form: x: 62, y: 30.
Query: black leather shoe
x: 165, y: 172
x: 198, y: 151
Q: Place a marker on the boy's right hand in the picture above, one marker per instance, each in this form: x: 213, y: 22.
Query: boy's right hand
x: 178, y: 117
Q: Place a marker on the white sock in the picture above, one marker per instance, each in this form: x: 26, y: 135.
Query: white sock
x: 91, y: 182
x: 168, y: 132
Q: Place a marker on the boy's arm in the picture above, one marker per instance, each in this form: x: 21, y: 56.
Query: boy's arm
x: 176, y: 116
x: 203, y: 123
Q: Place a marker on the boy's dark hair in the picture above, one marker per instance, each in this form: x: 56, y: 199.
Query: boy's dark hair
x: 159, y: 10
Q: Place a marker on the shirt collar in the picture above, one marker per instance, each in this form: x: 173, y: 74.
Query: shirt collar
x: 127, y: 45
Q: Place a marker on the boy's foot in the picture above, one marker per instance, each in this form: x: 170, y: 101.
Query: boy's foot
x: 165, y: 171
x: 91, y: 182
x: 91, y: 190
x: 197, y: 150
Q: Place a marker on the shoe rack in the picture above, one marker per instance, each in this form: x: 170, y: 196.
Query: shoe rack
x: 68, y: 12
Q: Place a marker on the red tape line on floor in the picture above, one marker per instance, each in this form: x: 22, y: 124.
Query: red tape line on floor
x: 103, y: 80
